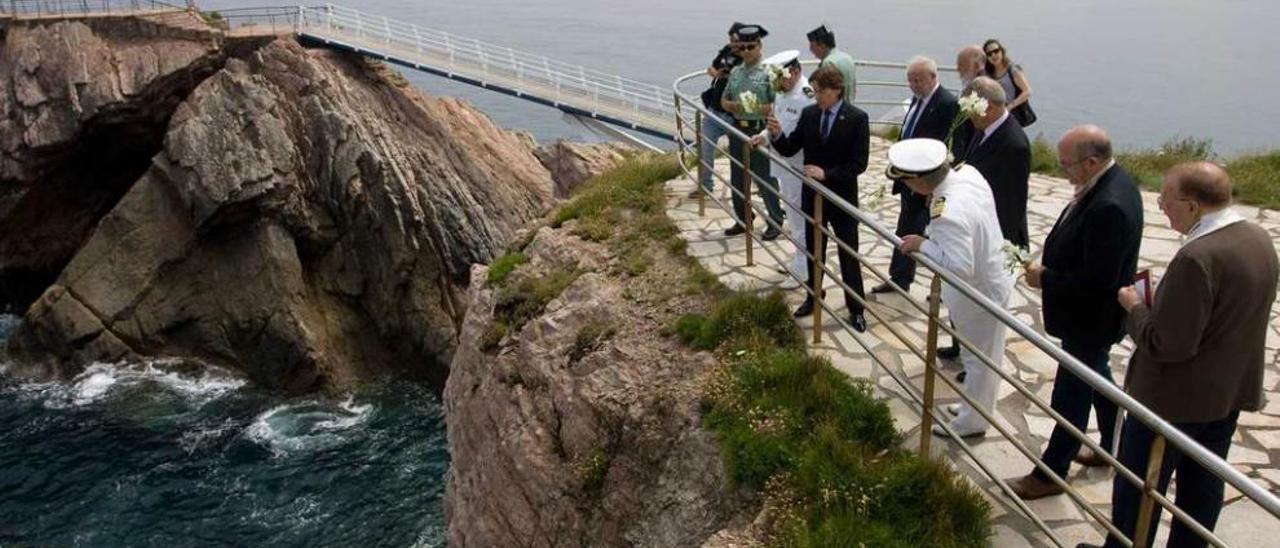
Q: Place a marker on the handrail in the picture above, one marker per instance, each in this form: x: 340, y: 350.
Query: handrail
x: 66, y: 7
x: 1175, y: 437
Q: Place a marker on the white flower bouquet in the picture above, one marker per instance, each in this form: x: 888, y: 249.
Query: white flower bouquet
x: 1015, y: 258
x: 750, y: 103
x: 970, y: 105
x: 777, y: 75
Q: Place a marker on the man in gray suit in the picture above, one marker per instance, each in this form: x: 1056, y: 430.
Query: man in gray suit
x: 1199, y: 351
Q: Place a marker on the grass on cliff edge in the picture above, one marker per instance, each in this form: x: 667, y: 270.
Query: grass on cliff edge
x: 822, y: 449
x: 1255, y: 178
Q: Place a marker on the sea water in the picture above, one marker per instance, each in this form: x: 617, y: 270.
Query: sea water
x: 172, y: 454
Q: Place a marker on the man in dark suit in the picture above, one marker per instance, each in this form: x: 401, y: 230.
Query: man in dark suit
x: 929, y: 116
x: 1091, y: 253
x: 836, y: 139
x: 999, y: 149
x: 1200, y: 348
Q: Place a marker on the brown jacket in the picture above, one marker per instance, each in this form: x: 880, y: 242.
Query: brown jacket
x: 1200, y: 347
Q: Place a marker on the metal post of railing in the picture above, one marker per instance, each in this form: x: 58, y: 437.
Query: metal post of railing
x: 702, y: 168
x: 747, y: 218
x: 1142, y: 529
x: 930, y: 365
x: 815, y: 267
x: 386, y: 27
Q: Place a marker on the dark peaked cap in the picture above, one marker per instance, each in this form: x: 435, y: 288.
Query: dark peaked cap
x: 751, y: 33
x: 733, y: 29
x: 819, y: 33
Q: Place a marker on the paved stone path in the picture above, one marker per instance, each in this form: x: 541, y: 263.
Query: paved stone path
x: 1257, y: 442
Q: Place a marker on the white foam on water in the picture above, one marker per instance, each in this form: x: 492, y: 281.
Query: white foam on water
x: 100, y: 381
x: 307, y: 425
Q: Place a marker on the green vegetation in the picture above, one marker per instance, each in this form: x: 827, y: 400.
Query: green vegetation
x: 1254, y: 177
x: 821, y: 448
x: 503, y: 266
x: 589, y: 339
x: 592, y: 469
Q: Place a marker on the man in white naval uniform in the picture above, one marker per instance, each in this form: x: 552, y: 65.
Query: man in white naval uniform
x: 787, y: 105
x: 964, y: 237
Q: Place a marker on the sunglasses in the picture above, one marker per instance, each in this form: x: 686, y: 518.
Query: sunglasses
x: 994, y: 51
x: 748, y: 47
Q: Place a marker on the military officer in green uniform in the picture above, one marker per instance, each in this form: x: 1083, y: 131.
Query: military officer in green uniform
x: 749, y: 98
x: 822, y: 44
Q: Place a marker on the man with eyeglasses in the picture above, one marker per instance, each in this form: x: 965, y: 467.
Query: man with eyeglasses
x: 712, y: 130
x: 822, y: 44
x: 1091, y: 252
x: 1199, y: 348
x: 750, y: 79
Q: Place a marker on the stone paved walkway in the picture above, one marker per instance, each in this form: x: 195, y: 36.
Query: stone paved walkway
x: 1257, y: 443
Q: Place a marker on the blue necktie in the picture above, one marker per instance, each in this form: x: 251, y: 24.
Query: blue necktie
x: 914, y: 116
x: 826, y: 124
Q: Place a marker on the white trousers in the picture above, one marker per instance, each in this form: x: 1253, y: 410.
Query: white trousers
x: 987, y: 334
x: 796, y: 222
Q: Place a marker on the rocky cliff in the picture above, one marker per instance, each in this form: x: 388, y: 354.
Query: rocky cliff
x: 581, y: 428
x: 302, y: 215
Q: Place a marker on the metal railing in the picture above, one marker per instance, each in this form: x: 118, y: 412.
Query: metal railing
x: 62, y: 8
x: 1166, y: 434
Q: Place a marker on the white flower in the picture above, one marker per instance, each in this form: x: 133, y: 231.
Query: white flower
x: 776, y: 76
x: 1014, y: 257
x: 750, y: 103
x: 972, y: 105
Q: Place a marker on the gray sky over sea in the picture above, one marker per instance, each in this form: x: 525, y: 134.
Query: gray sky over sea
x: 1147, y: 70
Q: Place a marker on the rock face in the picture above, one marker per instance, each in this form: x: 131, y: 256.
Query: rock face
x: 603, y: 450
x: 83, y: 106
x: 571, y: 164
x: 306, y: 216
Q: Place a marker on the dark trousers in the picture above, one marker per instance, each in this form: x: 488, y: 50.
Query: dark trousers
x: 760, y: 166
x: 845, y: 227
x: 1072, y: 398
x: 913, y: 217
x: 1199, y: 491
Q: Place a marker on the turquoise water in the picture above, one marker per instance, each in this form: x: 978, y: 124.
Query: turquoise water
x: 163, y: 454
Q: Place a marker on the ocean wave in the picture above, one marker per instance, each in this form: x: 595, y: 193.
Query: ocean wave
x: 307, y: 425
x: 100, y: 381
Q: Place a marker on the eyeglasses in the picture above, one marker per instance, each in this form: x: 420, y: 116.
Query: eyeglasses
x: 748, y: 47
x: 994, y: 51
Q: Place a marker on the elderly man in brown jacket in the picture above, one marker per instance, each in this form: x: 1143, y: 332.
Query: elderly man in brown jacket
x: 1199, y: 348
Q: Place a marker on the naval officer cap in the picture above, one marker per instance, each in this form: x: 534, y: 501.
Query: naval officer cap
x: 915, y: 158
x: 819, y: 33
x: 784, y: 58
x: 751, y: 33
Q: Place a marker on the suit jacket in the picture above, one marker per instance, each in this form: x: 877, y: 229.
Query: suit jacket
x: 933, y: 122
x: 843, y: 155
x: 1005, y: 160
x: 1089, y: 255
x: 1201, y: 347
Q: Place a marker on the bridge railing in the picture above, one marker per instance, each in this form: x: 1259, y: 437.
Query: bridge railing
x: 568, y: 80
x: 690, y: 115
x: 81, y: 7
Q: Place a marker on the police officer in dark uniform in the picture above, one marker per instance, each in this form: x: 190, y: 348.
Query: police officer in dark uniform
x: 724, y: 61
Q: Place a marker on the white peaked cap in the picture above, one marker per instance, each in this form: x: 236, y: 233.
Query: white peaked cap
x: 915, y: 157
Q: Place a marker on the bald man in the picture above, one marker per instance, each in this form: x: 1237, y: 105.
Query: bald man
x: 1001, y: 152
x: 1091, y: 252
x: 970, y: 63
x: 1200, y: 347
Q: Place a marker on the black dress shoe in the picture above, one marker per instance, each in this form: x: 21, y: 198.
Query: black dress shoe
x: 884, y: 288
x: 1087, y: 545
x: 735, y: 230
x: 949, y: 352
x: 771, y: 234
x: 806, y: 308
x: 960, y: 376
x: 858, y: 322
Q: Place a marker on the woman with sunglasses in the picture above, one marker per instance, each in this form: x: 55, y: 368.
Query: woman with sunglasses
x: 1017, y: 89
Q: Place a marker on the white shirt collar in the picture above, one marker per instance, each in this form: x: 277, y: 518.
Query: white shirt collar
x: 1211, y: 222
x: 1093, y: 180
x: 993, y: 127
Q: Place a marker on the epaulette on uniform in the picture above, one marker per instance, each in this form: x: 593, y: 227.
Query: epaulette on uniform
x: 937, y: 207
x: 808, y: 92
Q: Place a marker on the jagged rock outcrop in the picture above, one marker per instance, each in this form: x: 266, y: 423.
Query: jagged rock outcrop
x: 307, y: 217
x: 563, y: 440
x: 83, y: 106
x: 571, y: 164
